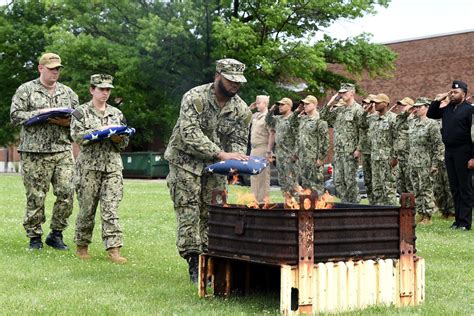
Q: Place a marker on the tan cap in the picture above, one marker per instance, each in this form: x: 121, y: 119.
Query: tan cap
x: 286, y: 101
x: 369, y: 98
x: 50, y: 60
x: 310, y: 99
x: 406, y: 101
x: 102, y: 81
x: 381, y: 97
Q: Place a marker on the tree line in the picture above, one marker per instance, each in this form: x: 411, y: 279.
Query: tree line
x: 157, y: 50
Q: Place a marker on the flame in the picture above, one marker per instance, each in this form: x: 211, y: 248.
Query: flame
x: 290, y: 202
x: 325, y: 201
x: 247, y: 199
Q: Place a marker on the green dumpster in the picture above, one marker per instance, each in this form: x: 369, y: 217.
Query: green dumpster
x: 146, y: 164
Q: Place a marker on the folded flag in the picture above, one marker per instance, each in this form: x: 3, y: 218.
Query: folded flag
x: 43, y: 117
x: 253, y: 166
x: 110, y: 131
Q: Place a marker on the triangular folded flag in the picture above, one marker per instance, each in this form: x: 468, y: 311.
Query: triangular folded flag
x: 253, y: 166
x: 110, y: 131
x: 43, y: 117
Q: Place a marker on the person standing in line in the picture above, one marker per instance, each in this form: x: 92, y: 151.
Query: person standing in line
x: 456, y: 120
x: 99, y: 170
x: 402, y: 122
x: 382, y: 136
x: 262, y: 139
x: 213, y: 125
x: 312, y: 143
x: 425, y: 157
x: 285, y: 138
x: 345, y: 120
x: 363, y: 149
x: 45, y: 151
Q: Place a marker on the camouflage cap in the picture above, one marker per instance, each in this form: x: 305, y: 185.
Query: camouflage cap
x: 381, y: 97
x: 231, y: 69
x: 369, y: 98
x: 102, y: 81
x: 50, y: 60
x: 285, y: 101
x: 406, y: 101
x: 346, y: 87
x: 422, y: 101
x: 310, y: 99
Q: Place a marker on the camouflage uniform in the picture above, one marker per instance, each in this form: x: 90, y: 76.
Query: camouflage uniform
x: 441, y: 191
x: 98, y: 175
x: 364, y: 147
x: 311, y: 145
x: 401, y: 151
x: 202, y: 131
x: 382, y: 135
x: 284, y: 149
x: 46, y: 155
x: 425, y: 152
x: 345, y: 120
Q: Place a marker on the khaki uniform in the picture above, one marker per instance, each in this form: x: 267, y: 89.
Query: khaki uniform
x: 346, y: 123
x: 98, y: 175
x: 312, y: 144
x: 202, y: 131
x: 260, y: 132
x: 46, y: 155
x: 382, y: 136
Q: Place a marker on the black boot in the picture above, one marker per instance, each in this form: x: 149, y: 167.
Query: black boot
x: 193, y: 264
x: 55, y: 240
x: 36, y: 243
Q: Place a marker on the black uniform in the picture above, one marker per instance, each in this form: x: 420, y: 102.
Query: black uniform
x: 456, y: 132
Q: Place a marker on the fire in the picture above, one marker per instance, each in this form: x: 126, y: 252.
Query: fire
x: 325, y: 201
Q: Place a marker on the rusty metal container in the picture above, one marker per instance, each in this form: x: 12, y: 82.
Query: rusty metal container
x: 284, y: 236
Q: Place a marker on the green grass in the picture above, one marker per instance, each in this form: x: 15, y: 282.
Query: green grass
x: 155, y: 280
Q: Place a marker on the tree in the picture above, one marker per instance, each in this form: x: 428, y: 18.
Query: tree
x: 158, y: 50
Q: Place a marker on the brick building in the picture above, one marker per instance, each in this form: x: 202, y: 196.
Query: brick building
x: 427, y: 66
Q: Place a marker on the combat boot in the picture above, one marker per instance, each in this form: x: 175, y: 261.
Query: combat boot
x: 55, y: 240
x: 115, y: 257
x: 35, y: 243
x: 193, y: 266
x: 426, y: 220
x: 82, y: 252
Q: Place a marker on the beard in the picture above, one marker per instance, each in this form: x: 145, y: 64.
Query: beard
x: 224, y: 91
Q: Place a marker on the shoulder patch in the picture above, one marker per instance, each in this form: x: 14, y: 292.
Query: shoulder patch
x: 198, y: 105
x: 78, y: 115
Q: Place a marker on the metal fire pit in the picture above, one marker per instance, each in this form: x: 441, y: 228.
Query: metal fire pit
x: 279, y: 236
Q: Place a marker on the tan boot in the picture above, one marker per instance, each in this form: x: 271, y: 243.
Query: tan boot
x: 82, y: 252
x: 426, y: 220
x: 115, y: 257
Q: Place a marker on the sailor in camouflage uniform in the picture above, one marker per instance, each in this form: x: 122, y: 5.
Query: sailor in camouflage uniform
x: 213, y: 125
x: 401, y: 144
x: 382, y: 138
x: 425, y: 156
x: 312, y: 143
x: 345, y: 120
x: 285, y: 138
x: 99, y: 170
x: 363, y: 149
x: 45, y: 150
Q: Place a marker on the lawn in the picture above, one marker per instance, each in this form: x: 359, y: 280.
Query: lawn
x: 155, y: 280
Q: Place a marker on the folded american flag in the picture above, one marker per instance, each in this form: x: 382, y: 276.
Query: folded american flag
x: 253, y: 166
x: 43, y: 117
x: 110, y: 131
